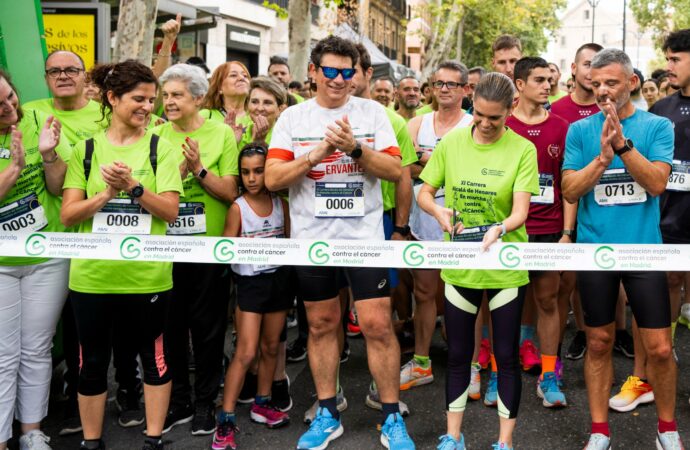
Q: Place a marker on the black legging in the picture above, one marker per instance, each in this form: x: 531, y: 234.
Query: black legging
x: 462, y: 307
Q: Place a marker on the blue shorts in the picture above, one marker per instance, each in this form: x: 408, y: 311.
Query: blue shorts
x: 388, y: 232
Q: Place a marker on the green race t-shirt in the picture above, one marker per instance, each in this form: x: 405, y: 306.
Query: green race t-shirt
x: 123, y: 277
x: 480, y: 180
x: 28, y: 206
x: 77, y: 124
x: 407, y: 153
x: 426, y: 109
x: 247, y: 136
x: 559, y: 95
x: 218, y: 153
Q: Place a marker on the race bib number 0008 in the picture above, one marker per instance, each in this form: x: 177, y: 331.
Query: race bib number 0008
x: 339, y: 199
x: 26, y: 214
x: 617, y: 187
x: 122, y: 216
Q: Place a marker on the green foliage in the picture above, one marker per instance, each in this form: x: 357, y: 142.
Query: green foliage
x: 281, y: 12
x: 483, y: 21
x: 661, y: 16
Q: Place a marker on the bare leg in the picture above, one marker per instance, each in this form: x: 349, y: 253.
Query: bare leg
x: 271, y: 326
x: 91, y: 411
x: 324, y: 319
x: 661, y: 369
x: 425, y: 290
x: 248, y: 329
x: 156, y: 400
x: 599, y: 370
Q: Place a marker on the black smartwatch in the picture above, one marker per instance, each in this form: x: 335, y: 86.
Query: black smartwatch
x: 137, y: 191
x: 626, y: 147
x: 202, y: 173
x: 357, y: 152
x: 403, y: 231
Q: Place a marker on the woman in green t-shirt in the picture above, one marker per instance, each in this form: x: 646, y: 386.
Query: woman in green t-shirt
x: 124, y: 180
x: 489, y: 173
x: 32, y: 169
x: 226, y: 99
x: 267, y: 99
x: 208, y: 155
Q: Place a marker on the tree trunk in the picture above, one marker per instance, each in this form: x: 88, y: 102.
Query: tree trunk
x: 135, y: 27
x: 299, y: 36
x: 440, y: 45
x: 363, y: 18
x: 458, y: 42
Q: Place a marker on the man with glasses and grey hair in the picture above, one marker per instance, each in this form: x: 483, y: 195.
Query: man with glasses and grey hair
x: 618, y: 181
x: 449, y: 88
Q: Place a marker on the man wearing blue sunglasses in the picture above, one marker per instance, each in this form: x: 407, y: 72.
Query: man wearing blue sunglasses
x: 332, y: 152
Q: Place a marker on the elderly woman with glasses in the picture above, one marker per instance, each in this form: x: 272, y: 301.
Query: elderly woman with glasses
x: 200, y: 291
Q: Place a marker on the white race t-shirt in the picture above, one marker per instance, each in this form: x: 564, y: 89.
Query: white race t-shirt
x: 336, y: 199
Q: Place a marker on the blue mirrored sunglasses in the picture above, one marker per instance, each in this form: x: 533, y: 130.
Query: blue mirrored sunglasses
x: 332, y: 73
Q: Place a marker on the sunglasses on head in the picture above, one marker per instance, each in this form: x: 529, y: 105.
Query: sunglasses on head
x: 332, y: 73
x: 254, y: 149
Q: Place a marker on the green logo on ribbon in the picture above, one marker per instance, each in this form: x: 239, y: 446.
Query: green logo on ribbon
x: 129, y: 248
x: 34, y: 244
x: 508, y: 258
x: 604, y: 257
x: 222, y: 251
x: 412, y: 255
x: 318, y: 254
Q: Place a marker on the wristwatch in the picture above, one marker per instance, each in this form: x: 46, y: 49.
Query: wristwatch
x: 357, y: 152
x: 137, y: 191
x: 202, y: 173
x: 503, y: 229
x: 403, y: 231
x: 626, y: 147
x: 567, y: 232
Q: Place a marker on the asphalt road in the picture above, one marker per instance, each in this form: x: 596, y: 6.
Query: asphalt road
x: 537, y: 428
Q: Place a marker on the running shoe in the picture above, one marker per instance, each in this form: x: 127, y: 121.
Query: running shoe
x: 130, y: 412
x: 549, y: 392
x: 412, y: 374
x: 529, y: 356
x: 684, y: 318
x: 394, y: 434
x: 559, y: 372
x: 296, y: 351
x: 345, y: 354
x: 249, y: 388
x: 633, y: 393
x: 224, y: 437
x: 204, y: 421
x: 448, y: 442
x: 624, y: 343
x: 578, y: 346
x: 484, y: 358
x: 323, y: 429
x: 475, y: 382
x: 353, y: 328
x: 669, y: 441
x: 292, y: 319
x: 101, y: 445
x: 598, y: 441
x: 280, y: 395
x: 71, y: 422
x: 34, y: 440
x: 373, y: 401
x: 153, y: 444
x: 269, y: 415
x: 491, y: 394
x: 341, y: 404
x: 177, y: 416
x: 500, y: 446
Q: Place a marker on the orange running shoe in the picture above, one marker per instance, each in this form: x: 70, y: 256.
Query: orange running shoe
x: 412, y: 374
x: 633, y: 392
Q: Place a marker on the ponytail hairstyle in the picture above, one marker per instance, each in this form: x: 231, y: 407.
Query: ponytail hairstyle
x: 120, y: 78
x: 496, y: 87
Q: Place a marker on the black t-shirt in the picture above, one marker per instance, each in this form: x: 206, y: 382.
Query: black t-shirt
x: 675, y: 205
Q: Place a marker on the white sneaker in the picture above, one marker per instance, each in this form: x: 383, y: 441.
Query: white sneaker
x: 34, y: 440
x: 475, y: 382
x: 341, y: 404
x: 412, y: 374
x: 684, y: 317
x: 598, y: 441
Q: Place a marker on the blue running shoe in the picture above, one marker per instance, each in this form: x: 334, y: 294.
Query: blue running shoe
x: 323, y: 429
x: 394, y: 434
x: 491, y: 395
x: 550, y: 392
x: 500, y: 446
x: 448, y: 442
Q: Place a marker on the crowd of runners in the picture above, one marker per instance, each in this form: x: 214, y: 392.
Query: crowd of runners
x: 469, y: 155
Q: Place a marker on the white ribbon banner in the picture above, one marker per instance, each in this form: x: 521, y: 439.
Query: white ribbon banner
x: 326, y: 252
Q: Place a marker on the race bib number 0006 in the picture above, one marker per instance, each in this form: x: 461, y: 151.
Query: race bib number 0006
x: 339, y: 199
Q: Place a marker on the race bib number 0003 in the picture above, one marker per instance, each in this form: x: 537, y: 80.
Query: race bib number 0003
x: 339, y: 199
x: 679, y: 180
x: 617, y: 187
x: 26, y: 214
x: 122, y: 216
x: 191, y: 219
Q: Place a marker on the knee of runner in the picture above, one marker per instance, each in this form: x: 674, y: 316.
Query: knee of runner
x: 270, y: 348
x: 376, y: 328
x: 323, y: 325
x: 245, y: 356
x: 659, y: 351
x: 599, y: 342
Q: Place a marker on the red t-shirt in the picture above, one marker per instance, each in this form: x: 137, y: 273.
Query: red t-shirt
x: 546, y: 210
x: 571, y: 111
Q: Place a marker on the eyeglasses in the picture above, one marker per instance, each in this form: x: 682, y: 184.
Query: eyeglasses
x: 71, y: 72
x: 448, y: 84
x: 332, y: 73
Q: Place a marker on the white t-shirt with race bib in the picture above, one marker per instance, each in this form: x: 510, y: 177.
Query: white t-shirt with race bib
x: 336, y: 199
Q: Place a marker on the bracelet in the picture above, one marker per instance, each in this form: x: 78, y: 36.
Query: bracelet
x: 309, y: 160
x: 52, y: 160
